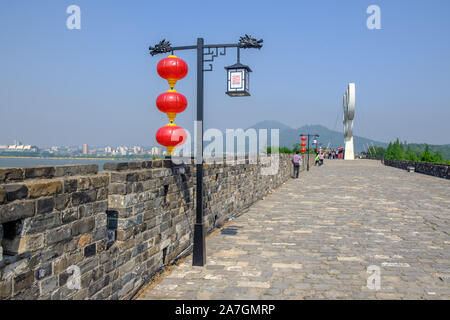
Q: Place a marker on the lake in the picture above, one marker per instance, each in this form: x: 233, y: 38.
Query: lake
x: 33, y: 162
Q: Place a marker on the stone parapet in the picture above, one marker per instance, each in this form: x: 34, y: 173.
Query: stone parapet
x: 69, y: 232
x: 432, y: 169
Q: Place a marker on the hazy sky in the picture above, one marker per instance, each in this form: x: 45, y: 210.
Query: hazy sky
x: 98, y: 85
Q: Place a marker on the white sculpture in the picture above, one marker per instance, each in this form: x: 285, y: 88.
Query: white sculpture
x: 349, y: 115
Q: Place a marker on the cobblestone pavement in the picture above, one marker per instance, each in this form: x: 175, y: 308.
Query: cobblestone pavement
x: 315, y: 237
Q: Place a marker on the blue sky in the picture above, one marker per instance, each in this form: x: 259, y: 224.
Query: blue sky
x: 98, y: 85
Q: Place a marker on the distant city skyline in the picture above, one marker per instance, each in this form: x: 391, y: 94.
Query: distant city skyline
x: 98, y: 85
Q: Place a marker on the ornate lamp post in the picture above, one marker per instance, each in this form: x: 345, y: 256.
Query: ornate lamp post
x: 237, y: 85
x: 303, y: 139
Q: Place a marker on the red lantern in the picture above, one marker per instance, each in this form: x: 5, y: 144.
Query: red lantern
x: 172, y: 69
x: 303, y: 144
x: 303, y: 138
x: 171, y: 102
x: 303, y: 150
x: 171, y: 136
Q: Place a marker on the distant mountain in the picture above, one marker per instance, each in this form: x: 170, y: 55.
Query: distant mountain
x: 327, y: 137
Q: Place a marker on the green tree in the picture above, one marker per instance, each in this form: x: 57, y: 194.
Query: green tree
x: 426, y: 155
x: 411, y: 155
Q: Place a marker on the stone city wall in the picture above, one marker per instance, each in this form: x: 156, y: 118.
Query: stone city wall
x: 69, y: 232
x: 432, y: 169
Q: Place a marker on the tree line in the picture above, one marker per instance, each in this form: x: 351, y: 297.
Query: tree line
x: 403, y: 151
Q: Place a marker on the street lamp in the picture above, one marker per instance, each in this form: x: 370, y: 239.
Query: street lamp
x: 238, y: 78
x: 236, y: 87
x: 308, y: 135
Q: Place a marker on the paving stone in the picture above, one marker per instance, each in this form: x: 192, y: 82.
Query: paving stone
x: 315, y: 237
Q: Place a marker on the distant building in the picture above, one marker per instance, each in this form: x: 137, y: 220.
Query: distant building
x: 108, y: 150
x: 85, y: 148
x: 122, y: 150
x: 137, y: 150
x: 19, y: 147
x: 156, y: 151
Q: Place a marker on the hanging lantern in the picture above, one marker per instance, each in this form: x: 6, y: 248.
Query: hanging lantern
x: 171, y: 136
x: 172, y: 69
x: 303, y: 150
x: 303, y: 144
x: 171, y: 102
x: 237, y: 80
x: 303, y: 138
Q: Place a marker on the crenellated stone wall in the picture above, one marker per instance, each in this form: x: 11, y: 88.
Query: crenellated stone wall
x: 432, y: 169
x: 69, y: 232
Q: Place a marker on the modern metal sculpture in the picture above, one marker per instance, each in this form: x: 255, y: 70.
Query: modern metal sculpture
x: 349, y: 115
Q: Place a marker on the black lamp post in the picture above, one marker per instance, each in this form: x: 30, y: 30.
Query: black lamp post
x: 237, y: 86
x: 309, y: 135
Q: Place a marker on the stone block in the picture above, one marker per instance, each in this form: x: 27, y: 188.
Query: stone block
x: 39, y: 172
x: 60, y: 265
x: 58, y: 235
x: 67, y: 170
x: 22, y: 282
x: 85, y: 211
x: 11, y: 174
x: 62, y: 201
x: 15, y: 191
x: 83, y: 226
x: 5, y: 289
x: 124, y: 234
x: 43, y: 272
x: 88, y: 169
x: 84, y: 197
x: 100, y: 206
x: 84, y: 240
x: 90, y: 250
x: 69, y: 215
x: 44, y: 188
x: 84, y: 183
x: 100, y: 181
x: 118, y: 188
x: 2, y: 195
x: 70, y: 185
x: 16, y: 210
x: 129, y: 222
x: 115, y: 166
x: 102, y: 194
x: 48, y: 285
x: 41, y: 223
x: 45, y: 205
x: 157, y: 163
x: 118, y: 177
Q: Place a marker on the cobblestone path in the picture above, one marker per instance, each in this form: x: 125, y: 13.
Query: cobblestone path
x: 315, y: 237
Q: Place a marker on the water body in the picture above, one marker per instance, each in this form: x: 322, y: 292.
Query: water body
x: 34, y: 162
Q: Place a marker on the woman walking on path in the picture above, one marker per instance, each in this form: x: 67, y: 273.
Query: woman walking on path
x: 296, y: 161
x: 321, y: 157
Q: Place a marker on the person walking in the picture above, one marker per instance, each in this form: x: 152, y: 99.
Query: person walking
x: 321, y: 157
x: 296, y: 161
x: 316, y: 160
